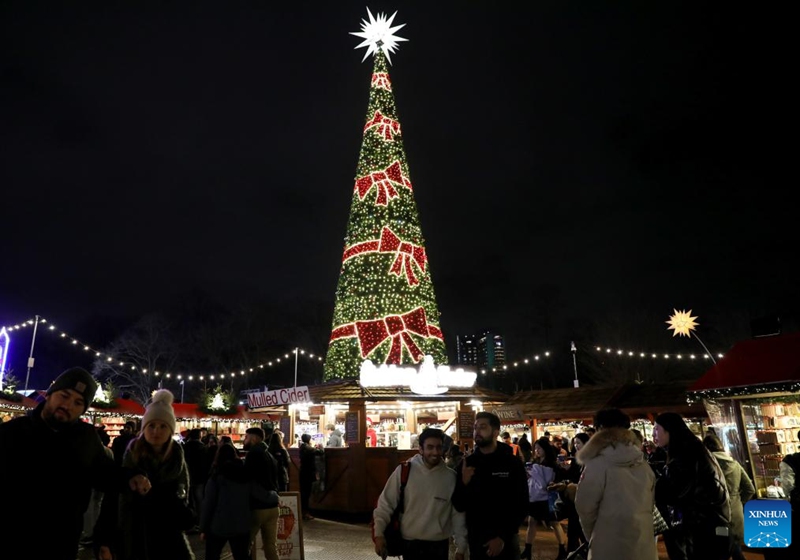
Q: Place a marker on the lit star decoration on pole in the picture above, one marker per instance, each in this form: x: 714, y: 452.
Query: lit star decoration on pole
x: 385, y: 309
x: 683, y: 324
x: 378, y: 33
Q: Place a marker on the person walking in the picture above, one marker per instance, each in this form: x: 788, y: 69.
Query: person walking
x: 429, y: 518
x: 51, y: 451
x: 152, y: 519
x: 740, y: 490
x: 225, y: 517
x: 262, y: 469
x: 491, y: 488
x: 308, y: 473
x: 693, y: 488
x: 614, y: 498
x: 541, y: 476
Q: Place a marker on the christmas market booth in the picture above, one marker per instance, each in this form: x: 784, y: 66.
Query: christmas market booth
x: 229, y: 421
x: 752, y: 396
x: 379, y: 416
x: 566, y: 411
x: 12, y: 405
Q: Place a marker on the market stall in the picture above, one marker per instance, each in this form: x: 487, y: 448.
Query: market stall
x: 565, y: 412
x: 12, y: 406
x: 752, y: 396
x: 355, y: 474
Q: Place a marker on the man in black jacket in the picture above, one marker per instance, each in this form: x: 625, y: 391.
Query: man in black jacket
x: 262, y: 468
x: 50, y: 452
x: 491, y: 487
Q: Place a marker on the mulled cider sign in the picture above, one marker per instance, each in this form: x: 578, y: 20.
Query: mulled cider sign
x: 290, y: 395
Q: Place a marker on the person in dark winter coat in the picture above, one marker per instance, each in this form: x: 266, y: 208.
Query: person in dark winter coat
x: 262, y: 469
x: 308, y: 473
x: 152, y: 518
x: 50, y: 451
x: 492, y: 488
x: 197, y: 458
x: 226, y: 507
x: 121, y: 442
x: 693, y: 488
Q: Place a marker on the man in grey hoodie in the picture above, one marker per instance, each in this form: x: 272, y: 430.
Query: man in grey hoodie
x: 334, y: 437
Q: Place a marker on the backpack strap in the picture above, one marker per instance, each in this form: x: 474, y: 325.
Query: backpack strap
x: 405, y: 468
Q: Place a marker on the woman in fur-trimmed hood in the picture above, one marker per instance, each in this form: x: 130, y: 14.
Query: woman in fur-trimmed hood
x: 615, y: 495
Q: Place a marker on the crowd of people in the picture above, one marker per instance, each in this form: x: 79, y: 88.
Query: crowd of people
x: 616, y: 491
x: 137, y: 498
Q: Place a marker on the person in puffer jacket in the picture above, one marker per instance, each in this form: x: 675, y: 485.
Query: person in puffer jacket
x: 694, y: 489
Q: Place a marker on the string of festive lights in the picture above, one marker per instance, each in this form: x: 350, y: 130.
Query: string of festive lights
x: 166, y: 375
x: 518, y: 363
x: 649, y: 354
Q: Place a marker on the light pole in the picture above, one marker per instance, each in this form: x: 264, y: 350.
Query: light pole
x: 296, y: 352
x: 575, y: 383
x: 30, y: 358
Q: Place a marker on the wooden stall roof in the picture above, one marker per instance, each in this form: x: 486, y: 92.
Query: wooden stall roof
x: 554, y: 404
x: 344, y: 390
x: 24, y: 403
x: 123, y: 407
x: 638, y: 400
x: 759, y: 361
x: 650, y: 399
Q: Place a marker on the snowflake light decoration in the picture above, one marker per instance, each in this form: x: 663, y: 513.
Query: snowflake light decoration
x: 682, y: 323
x: 378, y: 33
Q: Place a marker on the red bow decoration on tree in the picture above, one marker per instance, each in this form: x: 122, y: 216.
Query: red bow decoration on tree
x: 381, y: 80
x: 389, y: 242
x: 386, y: 126
x: 384, y: 182
x: 397, y: 327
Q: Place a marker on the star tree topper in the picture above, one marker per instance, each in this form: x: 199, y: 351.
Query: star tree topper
x: 378, y: 33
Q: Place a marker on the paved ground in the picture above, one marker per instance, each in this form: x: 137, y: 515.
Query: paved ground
x: 327, y: 539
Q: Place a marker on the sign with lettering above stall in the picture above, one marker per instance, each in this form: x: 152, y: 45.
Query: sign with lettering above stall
x: 278, y: 397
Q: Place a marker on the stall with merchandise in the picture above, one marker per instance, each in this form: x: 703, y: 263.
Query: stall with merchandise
x: 388, y: 416
x: 752, y: 396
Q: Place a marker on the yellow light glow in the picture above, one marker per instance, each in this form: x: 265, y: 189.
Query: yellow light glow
x: 682, y: 323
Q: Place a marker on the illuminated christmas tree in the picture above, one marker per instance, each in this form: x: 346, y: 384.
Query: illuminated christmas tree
x: 385, y: 305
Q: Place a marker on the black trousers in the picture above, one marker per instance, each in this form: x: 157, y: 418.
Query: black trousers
x: 426, y: 550
x: 240, y: 546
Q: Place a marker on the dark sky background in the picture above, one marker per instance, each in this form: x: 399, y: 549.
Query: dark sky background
x: 593, y: 163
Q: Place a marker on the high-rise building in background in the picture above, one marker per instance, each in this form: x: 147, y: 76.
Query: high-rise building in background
x: 486, y: 350
x: 467, y: 350
x: 491, y: 350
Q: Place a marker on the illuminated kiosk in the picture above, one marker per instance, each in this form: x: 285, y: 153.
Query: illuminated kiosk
x: 752, y: 396
x: 395, y: 401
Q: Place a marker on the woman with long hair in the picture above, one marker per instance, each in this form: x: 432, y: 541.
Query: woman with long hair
x: 541, y: 474
x: 278, y: 450
x: 694, y: 491
x: 226, y: 508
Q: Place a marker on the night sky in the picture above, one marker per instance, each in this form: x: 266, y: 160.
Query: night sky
x: 574, y: 164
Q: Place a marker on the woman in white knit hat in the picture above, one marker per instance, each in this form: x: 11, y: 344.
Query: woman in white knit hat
x: 152, y: 520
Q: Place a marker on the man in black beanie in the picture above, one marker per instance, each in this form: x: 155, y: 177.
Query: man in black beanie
x: 51, y: 453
